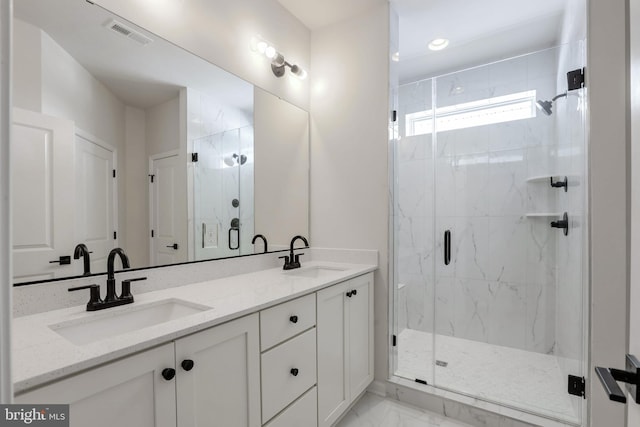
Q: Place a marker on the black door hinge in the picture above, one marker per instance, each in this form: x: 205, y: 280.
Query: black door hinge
x: 394, y: 340
x: 577, y: 386
x: 151, y: 233
x: 194, y: 157
x: 394, y: 116
x: 419, y: 381
x: 575, y: 79
x: 151, y: 176
x: 115, y: 235
x: 114, y: 173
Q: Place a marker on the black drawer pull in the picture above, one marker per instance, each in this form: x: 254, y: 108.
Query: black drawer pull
x: 293, y: 319
x: 187, y: 364
x: 294, y: 372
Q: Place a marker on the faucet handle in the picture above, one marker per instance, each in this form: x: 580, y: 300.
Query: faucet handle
x: 94, y: 298
x: 286, y: 261
x: 126, y: 288
x: 297, y: 259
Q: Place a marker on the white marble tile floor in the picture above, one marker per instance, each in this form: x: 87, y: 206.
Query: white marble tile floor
x: 375, y: 411
x: 525, y: 380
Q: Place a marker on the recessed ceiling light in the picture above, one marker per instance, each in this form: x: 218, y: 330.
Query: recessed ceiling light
x: 438, y: 44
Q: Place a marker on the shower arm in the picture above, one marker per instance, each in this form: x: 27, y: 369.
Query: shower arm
x: 562, y: 95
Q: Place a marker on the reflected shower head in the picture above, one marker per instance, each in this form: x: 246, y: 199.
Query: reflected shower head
x: 235, y: 159
x: 545, y: 106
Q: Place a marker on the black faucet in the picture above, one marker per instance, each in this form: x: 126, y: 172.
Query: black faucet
x: 264, y: 239
x: 293, y: 261
x: 81, y: 250
x: 111, y: 280
x: 111, y: 300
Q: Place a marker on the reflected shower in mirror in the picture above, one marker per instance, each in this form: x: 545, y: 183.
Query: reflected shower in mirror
x: 121, y: 139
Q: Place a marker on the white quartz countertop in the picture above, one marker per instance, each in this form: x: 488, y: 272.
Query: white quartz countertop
x: 40, y: 355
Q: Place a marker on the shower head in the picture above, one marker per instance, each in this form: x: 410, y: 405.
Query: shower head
x: 545, y: 106
x: 235, y: 160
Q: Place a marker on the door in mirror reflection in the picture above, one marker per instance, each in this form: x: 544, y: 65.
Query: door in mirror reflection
x: 223, y: 186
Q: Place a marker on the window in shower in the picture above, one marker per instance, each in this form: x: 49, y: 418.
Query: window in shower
x: 500, y: 109
x: 503, y: 321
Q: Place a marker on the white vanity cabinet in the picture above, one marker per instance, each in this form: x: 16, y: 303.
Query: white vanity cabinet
x: 300, y: 363
x: 220, y: 389
x: 288, y: 340
x: 130, y: 392
x: 345, y: 345
x: 218, y: 376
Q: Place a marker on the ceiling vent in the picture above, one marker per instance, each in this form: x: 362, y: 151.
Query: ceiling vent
x: 123, y: 30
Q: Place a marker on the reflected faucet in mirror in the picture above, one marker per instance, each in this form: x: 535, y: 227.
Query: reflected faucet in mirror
x: 81, y: 250
x: 293, y: 260
x: 264, y: 239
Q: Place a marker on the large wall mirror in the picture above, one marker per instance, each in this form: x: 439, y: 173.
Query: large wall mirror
x: 121, y: 139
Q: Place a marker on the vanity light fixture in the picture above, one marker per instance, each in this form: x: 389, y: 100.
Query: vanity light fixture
x: 278, y: 63
x: 438, y: 44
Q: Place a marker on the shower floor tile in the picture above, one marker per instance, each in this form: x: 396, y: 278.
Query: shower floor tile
x: 522, y: 379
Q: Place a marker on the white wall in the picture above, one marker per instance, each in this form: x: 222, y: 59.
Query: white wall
x: 281, y: 169
x: 6, y: 387
x: 163, y: 127
x: 349, y: 117
x: 27, y: 59
x: 136, y: 239
x: 607, y: 84
x: 220, y: 31
x: 634, y: 294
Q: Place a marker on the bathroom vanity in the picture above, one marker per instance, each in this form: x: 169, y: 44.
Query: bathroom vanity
x: 275, y: 348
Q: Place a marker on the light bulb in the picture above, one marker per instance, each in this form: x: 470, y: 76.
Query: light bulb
x: 278, y: 60
x: 270, y: 52
x: 262, y: 46
x: 298, y: 72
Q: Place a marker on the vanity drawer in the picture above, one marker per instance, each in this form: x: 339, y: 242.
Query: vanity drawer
x: 302, y: 413
x: 280, y: 386
x: 286, y: 320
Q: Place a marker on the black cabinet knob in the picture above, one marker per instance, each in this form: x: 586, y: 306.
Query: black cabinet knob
x: 294, y: 372
x: 293, y: 319
x: 168, y: 373
x: 349, y: 294
x: 354, y: 292
x: 187, y: 364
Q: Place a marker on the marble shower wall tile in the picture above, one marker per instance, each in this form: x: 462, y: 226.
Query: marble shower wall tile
x: 500, y: 285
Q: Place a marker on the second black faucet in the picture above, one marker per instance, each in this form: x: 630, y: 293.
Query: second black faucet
x: 293, y: 260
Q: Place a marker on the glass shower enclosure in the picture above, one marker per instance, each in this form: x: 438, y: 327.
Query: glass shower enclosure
x: 489, y: 216
x: 223, y: 190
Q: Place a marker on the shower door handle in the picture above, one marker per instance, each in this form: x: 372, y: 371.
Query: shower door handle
x: 447, y: 247
x: 237, y: 229
x: 609, y: 378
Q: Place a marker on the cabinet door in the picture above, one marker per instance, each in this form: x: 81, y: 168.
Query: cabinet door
x: 222, y: 389
x: 360, y: 334
x: 128, y: 393
x: 333, y: 393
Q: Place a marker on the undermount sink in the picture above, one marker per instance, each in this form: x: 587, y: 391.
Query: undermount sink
x: 314, y: 271
x: 129, y: 319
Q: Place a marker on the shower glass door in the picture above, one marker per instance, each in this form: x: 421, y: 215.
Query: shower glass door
x: 493, y: 294
x: 223, y: 189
